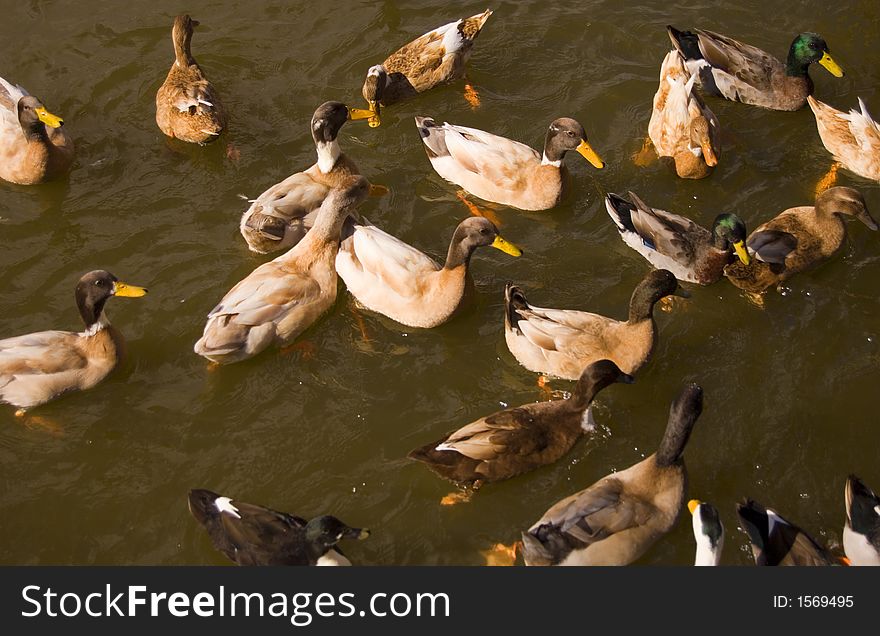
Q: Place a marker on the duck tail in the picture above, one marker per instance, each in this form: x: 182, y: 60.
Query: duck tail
x: 432, y: 137
x: 685, y: 42
x: 620, y: 211
x: 514, y: 300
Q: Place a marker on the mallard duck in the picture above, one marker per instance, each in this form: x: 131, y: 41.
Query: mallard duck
x: 437, y: 57
x: 254, y: 535
x: 502, y: 170
x: 519, y: 439
x: 281, y: 216
x: 35, y: 148
x: 682, y: 126
x: 615, y: 521
x: 561, y: 342
x: 853, y: 138
x: 669, y: 241
x: 797, y: 239
x: 396, y: 280
x: 708, y: 532
x: 38, y: 367
x: 861, y: 534
x: 777, y: 541
x: 743, y: 73
x: 187, y: 105
x: 282, y: 298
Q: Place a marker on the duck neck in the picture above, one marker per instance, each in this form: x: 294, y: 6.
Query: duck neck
x: 327, y: 227
x: 641, y: 306
x: 328, y: 154
x: 459, y: 254
x: 794, y: 66
x: 552, y: 155
x: 583, y: 393
x: 93, y: 315
x: 678, y: 431
x: 706, y: 555
x: 182, y: 54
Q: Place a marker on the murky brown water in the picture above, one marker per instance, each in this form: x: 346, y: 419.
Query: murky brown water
x: 101, y: 477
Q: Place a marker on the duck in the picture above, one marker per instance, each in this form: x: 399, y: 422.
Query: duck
x: 388, y: 276
x: 743, y: 73
x: 673, y: 242
x: 616, y: 520
x: 861, y: 533
x: 519, y: 439
x: 501, y: 170
x: 36, y: 148
x: 797, y: 239
x: 561, y: 342
x: 249, y: 534
x: 777, y: 541
x: 38, y: 367
x: 279, y: 218
x: 682, y: 126
x: 280, y: 299
x: 437, y: 57
x: 188, y: 106
x: 708, y: 533
x: 853, y: 138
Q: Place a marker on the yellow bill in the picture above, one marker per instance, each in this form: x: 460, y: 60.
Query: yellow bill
x: 53, y: 121
x: 506, y: 246
x: 128, y: 291
x: 586, y: 150
x: 371, y: 114
x: 742, y: 252
x: 692, y: 505
x: 832, y: 66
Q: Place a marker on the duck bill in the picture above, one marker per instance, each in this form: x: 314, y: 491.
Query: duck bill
x: 681, y: 292
x: 708, y: 153
x: 358, y: 534
x: 741, y: 252
x: 128, y: 291
x: 371, y: 114
x: 587, y: 152
x: 868, y: 220
x: 53, y: 121
x: 693, y: 504
x: 830, y: 65
x: 506, y: 246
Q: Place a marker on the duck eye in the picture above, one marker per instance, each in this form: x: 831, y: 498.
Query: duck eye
x: 569, y: 133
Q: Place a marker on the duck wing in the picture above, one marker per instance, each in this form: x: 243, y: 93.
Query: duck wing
x: 772, y: 246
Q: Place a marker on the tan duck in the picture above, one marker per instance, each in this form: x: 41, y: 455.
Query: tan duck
x: 281, y: 216
x: 34, y: 147
x: 519, y: 439
x: 501, y: 170
x: 437, y: 57
x: 777, y: 541
x: 616, y: 520
x: 282, y: 298
x: 187, y: 105
x: 561, y: 342
x: 797, y: 239
x: 38, y: 367
x: 743, y: 73
x: 253, y: 535
x: 853, y: 138
x: 682, y: 126
x: 396, y: 280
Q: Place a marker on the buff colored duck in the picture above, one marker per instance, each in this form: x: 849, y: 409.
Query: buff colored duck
x: 41, y: 366
x: 437, y: 57
x: 34, y: 147
x: 282, y: 298
x: 708, y: 532
x: 187, y: 105
x: 853, y: 138
x: 561, y: 342
x: 616, y: 520
x: 682, y: 126
x: 281, y: 216
x: 253, y: 535
x: 501, y: 170
x: 861, y: 534
x: 797, y: 239
x: 777, y: 541
x: 669, y: 241
x: 743, y: 73
x: 396, y: 280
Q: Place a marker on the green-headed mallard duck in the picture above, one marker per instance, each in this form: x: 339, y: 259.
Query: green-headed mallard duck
x: 282, y: 298
x: 33, y: 146
x: 562, y: 342
x: 861, y: 534
x: 187, y: 105
x: 744, y: 73
x: 777, y: 541
x: 519, y: 439
x: 797, y: 239
x: 437, y: 57
x: 853, y: 138
x: 682, y: 126
x: 253, y: 535
x: 616, y: 520
x: 669, y: 241
x: 38, y: 367
x: 281, y: 216
x: 708, y: 532
x: 502, y: 170
x: 394, y: 279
